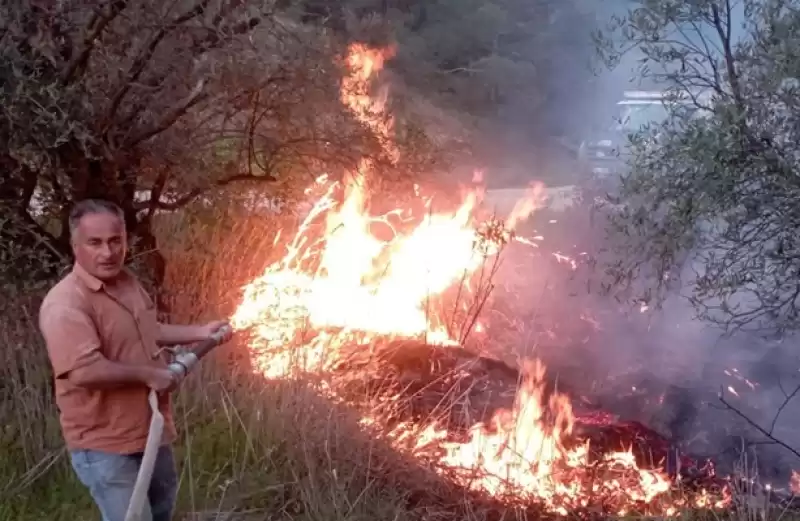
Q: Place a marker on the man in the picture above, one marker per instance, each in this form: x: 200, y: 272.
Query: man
x: 103, y: 340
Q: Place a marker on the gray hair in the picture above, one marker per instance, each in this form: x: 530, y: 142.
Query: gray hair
x: 92, y: 207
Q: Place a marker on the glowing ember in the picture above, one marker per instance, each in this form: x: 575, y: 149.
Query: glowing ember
x: 339, y: 284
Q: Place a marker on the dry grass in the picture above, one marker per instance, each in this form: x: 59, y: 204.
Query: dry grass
x: 262, y: 449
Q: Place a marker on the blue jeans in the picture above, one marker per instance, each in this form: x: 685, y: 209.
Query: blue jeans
x: 110, y: 479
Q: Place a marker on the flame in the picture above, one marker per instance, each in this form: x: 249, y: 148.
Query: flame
x: 522, y: 454
x: 339, y: 283
x: 341, y: 276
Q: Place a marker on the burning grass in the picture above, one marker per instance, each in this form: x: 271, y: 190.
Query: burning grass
x: 381, y: 433
x: 354, y: 394
x: 340, y: 291
x: 344, y: 308
x: 460, y: 435
x: 467, y: 416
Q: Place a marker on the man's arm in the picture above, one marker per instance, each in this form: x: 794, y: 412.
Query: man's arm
x: 173, y: 334
x: 74, y: 348
x: 102, y: 373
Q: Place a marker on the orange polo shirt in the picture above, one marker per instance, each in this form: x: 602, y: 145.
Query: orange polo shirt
x: 81, y: 316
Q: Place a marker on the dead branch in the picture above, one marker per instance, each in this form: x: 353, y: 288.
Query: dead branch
x: 767, y: 433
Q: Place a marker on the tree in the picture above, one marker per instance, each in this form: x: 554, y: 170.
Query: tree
x: 151, y: 104
x: 712, y: 192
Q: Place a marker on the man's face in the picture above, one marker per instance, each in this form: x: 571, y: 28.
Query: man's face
x: 99, y: 245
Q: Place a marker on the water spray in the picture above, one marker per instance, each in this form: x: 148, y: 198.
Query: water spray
x: 182, y: 365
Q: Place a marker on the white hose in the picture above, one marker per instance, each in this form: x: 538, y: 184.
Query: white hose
x: 136, y: 510
x: 182, y: 364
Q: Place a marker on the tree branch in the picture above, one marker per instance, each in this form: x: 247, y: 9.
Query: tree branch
x: 767, y: 433
x: 97, y: 24
x: 141, y: 61
x: 183, y: 200
x: 723, y: 29
x: 157, y: 189
x: 172, y: 115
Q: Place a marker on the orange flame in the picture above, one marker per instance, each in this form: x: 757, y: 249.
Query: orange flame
x: 345, y: 277
x: 340, y: 284
x: 522, y: 455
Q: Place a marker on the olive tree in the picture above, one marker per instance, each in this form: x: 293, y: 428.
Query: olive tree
x: 709, y: 197
x: 151, y: 104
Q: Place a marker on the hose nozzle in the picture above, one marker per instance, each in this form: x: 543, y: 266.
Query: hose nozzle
x: 185, y: 361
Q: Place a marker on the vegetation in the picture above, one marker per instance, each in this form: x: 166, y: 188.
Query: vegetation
x: 260, y: 448
x: 713, y: 188
x: 152, y: 105
x: 174, y: 109
x: 707, y: 206
x: 155, y: 104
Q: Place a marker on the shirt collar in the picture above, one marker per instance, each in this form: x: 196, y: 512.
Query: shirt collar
x: 89, y: 280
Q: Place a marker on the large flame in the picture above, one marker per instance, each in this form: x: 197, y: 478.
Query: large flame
x: 340, y: 284
x: 339, y: 275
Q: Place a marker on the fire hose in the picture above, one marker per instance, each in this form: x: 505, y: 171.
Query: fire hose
x: 181, y: 365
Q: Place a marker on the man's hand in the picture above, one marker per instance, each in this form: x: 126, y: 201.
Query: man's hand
x: 215, y: 325
x: 162, y: 380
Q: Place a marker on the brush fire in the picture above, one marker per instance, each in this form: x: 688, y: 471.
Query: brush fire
x: 394, y: 314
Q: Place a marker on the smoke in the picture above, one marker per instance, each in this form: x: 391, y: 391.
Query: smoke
x: 664, y: 367
x: 660, y: 366
x: 698, y: 372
